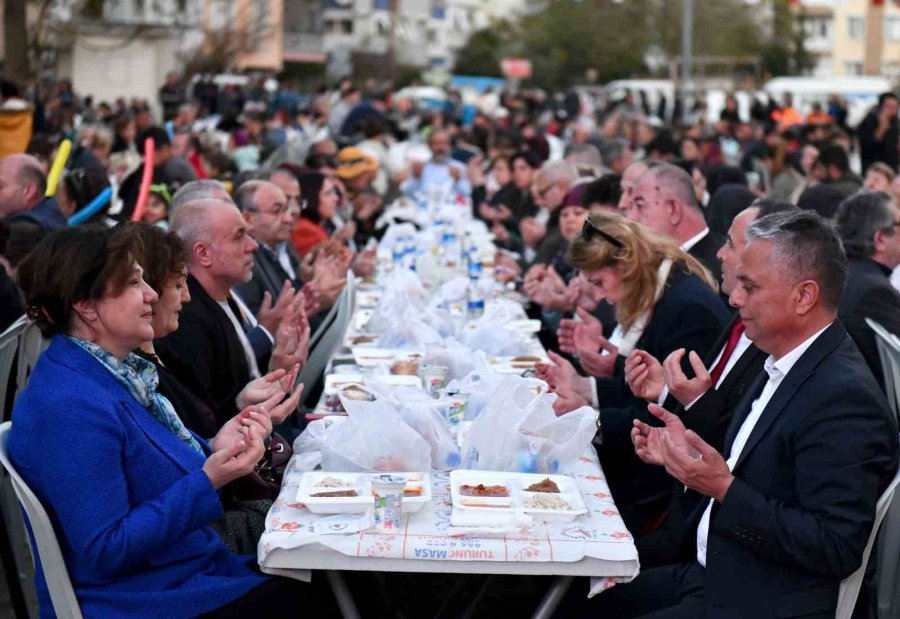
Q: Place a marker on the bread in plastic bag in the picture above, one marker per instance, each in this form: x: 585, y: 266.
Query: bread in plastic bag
x: 374, y: 438
x: 518, y: 431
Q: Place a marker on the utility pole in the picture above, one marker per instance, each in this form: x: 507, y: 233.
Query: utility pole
x: 687, y: 48
x: 874, y: 37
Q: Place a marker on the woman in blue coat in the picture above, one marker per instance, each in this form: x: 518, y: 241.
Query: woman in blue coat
x: 129, y: 489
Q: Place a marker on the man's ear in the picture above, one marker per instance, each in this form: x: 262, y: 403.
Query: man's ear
x: 807, y: 296
x: 202, y: 254
x: 676, y: 211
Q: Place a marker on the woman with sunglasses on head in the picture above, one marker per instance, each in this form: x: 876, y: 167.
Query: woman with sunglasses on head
x: 130, y: 491
x: 665, y: 300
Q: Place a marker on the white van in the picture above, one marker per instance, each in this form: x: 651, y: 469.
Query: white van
x: 860, y: 92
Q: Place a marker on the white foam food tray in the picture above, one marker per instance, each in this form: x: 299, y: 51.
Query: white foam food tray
x: 333, y: 382
x: 366, y: 356
x: 418, y: 486
x: 519, y: 498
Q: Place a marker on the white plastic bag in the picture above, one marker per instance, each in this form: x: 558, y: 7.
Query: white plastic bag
x: 518, y: 431
x: 374, y: 438
x: 423, y: 414
x: 480, y: 383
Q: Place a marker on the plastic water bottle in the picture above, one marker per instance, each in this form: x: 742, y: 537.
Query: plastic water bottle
x: 449, y: 249
x: 475, y: 304
x: 399, y: 252
x: 475, y: 268
x: 409, y: 253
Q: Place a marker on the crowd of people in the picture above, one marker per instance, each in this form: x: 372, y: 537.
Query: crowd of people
x: 705, y: 286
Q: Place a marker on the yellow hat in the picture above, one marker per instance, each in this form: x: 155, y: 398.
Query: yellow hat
x: 353, y: 161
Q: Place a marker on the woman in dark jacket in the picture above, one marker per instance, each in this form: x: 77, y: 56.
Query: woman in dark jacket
x: 665, y: 300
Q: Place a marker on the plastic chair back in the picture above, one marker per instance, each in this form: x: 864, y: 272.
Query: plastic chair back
x: 331, y: 339
x: 31, y: 345
x: 850, y: 586
x: 9, y: 345
x: 889, y: 354
x: 65, y: 604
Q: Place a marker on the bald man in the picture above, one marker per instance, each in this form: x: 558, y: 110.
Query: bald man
x: 28, y: 214
x: 664, y: 200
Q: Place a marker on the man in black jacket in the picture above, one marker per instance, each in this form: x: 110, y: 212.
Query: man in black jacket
x: 664, y: 200
x: 868, y: 224
x: 214, y: 329
x: 789, y: 503
x: 879, y: 133
x: 706, y: 401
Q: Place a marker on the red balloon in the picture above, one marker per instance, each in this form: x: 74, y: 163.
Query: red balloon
x: 146, y: 180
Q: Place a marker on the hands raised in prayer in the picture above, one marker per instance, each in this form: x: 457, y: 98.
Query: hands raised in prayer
x: 686, y: 456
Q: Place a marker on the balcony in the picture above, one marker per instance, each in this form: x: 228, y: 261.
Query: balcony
x: 303, y: 47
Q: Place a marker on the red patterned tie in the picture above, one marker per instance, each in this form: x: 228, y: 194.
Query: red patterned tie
x: 736, y: 331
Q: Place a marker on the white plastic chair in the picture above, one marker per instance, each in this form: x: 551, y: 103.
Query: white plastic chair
x: 331, y: 339
x: 9, y: 344
x: 65, y: 604
x: 889, y: 353
x: 850, y: 586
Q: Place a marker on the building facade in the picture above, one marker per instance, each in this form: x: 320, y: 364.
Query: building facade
x: 852, y: 37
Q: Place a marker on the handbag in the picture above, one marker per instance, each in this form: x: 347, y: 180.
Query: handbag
x: 264, y: 483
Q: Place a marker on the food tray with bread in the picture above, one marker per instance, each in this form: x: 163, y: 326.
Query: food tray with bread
x: 353, y: 386
x: 351, y: 493
x: 550, y: 498
x: 517, y: 364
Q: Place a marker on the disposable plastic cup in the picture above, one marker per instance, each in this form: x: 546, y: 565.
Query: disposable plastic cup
x: 388, y: 491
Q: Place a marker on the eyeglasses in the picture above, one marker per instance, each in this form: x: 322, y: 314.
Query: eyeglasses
x: 278, y: 211
x: 589, y: 231
x: 543, y: 192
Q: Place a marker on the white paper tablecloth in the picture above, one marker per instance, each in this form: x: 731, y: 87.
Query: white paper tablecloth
x: 596, y: 544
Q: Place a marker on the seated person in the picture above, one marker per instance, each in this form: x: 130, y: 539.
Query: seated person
x: 788, y: 504
x: 654, y: 285
x: 141, y: 544
x: 248, y: 499
x: 214, y: 334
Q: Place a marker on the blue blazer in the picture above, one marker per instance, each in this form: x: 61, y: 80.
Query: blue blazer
x: 129, y: 501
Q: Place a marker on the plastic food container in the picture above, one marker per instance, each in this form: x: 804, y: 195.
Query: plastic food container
x: 563, y: 506
x: 417, y: 492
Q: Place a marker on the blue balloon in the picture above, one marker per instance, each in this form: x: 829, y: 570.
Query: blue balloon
x: 92, y: 208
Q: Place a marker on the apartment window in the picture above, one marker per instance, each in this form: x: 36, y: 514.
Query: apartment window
x: 346, y: 26
x: 892, y: 28
x: 856, y: 27
x: 853, y: 67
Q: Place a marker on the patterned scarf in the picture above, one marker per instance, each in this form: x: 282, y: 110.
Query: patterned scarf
x: 139, y: 377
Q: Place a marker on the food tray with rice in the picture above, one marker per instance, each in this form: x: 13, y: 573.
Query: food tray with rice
x: 550, y: 498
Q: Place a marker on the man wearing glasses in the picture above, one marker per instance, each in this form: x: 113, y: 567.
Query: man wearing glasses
x: 268, y: 213
x: 868, y: 222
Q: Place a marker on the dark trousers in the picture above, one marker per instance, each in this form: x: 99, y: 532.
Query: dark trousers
x: 669, y: 592
x: 282, y: 597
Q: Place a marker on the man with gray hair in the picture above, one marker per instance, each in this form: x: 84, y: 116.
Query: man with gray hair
x: 868, y: 222
x: 214, y: 329
x: 540, y: 233
x: 198, y: 190
x: 789, y: 504
x: 664, y: 200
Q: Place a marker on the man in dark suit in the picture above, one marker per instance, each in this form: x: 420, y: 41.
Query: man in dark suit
x: 868, y: 224
x: 705, y: 402
x: 664, y: 200
x: 267, y: 211
x: 788, y: 508
x: 214, y: 329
